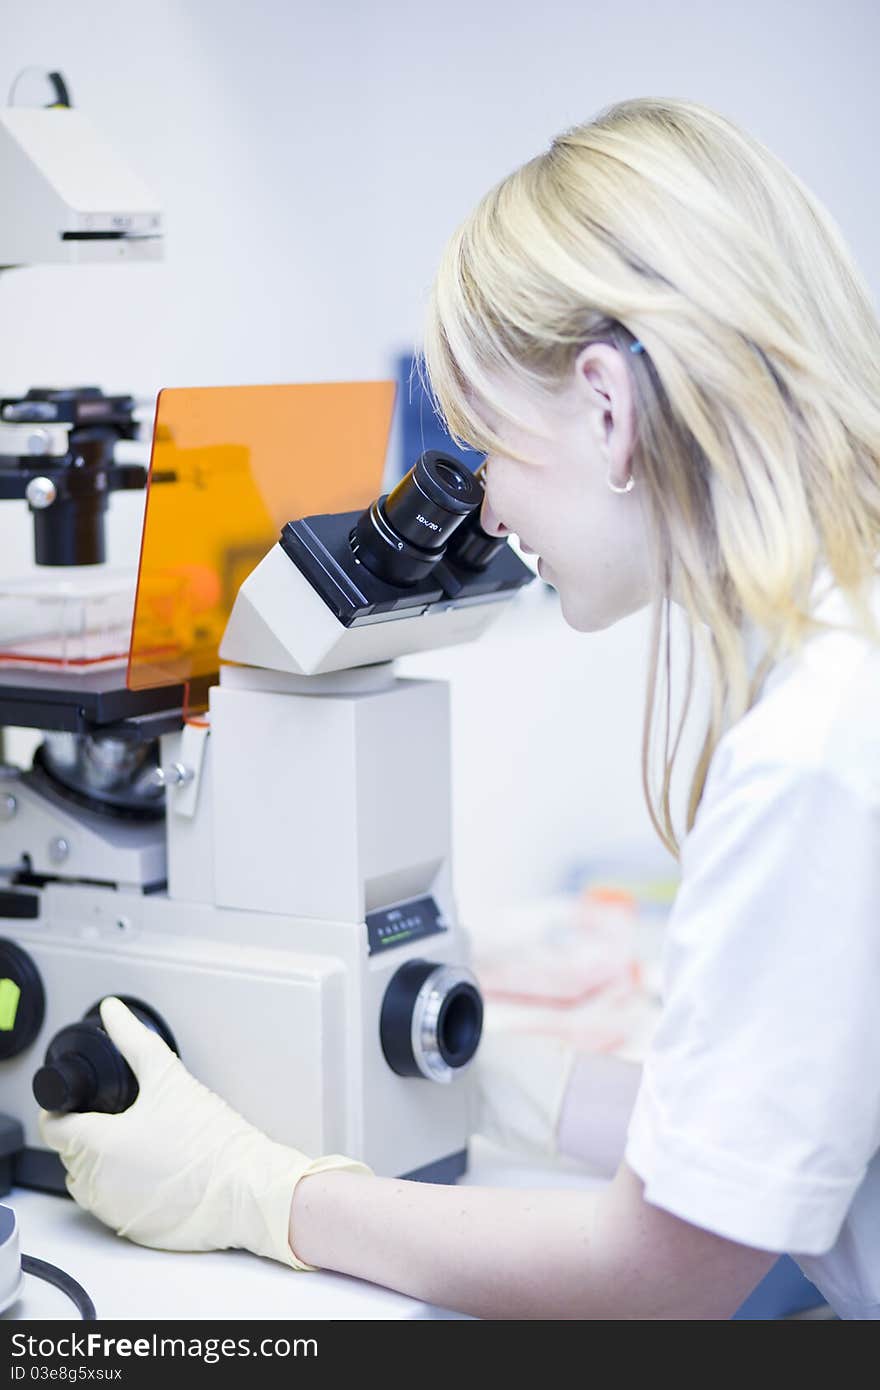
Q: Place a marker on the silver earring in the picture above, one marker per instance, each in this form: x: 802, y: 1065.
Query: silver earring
x: 627, y: 487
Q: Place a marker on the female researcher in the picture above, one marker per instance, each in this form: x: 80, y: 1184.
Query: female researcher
x: 658, y: 337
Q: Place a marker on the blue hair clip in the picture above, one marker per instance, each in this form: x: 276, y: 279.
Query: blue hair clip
x: 637, y: 346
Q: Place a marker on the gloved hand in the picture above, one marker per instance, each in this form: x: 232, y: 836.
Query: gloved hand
x: 521, y: 1081
x: 180, y: 1169
x: 539, y: 1095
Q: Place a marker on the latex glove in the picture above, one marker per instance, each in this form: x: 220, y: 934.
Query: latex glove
x: 521, y: 1081
x: 180, y: 1169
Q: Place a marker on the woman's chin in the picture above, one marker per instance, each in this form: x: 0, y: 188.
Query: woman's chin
x: 578, y: 613
x: 584, y: 617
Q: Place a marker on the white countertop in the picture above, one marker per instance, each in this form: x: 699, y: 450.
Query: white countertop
x: 128, y: 1281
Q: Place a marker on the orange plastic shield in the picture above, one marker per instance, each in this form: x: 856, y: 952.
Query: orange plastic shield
x: 230, y: 465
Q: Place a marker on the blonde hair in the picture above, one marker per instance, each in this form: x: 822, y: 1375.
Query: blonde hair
x: 757, y: 419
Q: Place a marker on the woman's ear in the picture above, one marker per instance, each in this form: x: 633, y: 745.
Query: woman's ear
x: 602, y: 375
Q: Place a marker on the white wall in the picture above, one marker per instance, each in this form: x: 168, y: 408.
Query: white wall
x: 311, y: 159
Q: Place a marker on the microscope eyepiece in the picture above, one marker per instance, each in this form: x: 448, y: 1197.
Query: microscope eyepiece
x: 473, y: 548
x: 403, y: 535
x: 451, y: 476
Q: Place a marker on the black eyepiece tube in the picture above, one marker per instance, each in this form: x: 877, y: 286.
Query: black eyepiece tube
x: 472, y: 548
x: 403, y: 535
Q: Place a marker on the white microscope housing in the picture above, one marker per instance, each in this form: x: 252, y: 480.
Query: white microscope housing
x: 74, y: 199
x: 286, y: 920
x: 290, y: 924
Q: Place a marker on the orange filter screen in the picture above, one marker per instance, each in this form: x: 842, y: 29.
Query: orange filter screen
x: 230, y: 466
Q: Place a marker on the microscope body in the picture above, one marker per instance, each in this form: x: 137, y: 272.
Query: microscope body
x: 302, y: 873
x: 303, y: 819
x: 290, y: 919
x: 286, y: 917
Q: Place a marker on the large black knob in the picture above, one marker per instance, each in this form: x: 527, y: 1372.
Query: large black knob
x: 431, y: 1020
x: 84, y: 1070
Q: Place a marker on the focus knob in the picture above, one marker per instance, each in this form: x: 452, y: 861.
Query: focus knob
x: 65, y: 1085
x: 84, y: 1070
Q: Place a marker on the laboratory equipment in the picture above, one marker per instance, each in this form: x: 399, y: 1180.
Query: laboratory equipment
x: 11, y: 1276
x: 72, y: 199
x: 14, y: 1266
x: 59, y: 451
x: 267, y: 879
x: 250, y: 841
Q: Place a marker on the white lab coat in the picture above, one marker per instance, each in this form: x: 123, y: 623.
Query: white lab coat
x: 758, y: 1116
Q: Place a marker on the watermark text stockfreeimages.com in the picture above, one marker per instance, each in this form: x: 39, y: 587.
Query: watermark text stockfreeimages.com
x: 96, y: 1345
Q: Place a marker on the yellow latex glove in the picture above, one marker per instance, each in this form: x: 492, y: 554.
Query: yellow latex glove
x: 180, y: 1169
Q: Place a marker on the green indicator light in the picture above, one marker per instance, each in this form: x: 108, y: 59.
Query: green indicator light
x: 9, y: 997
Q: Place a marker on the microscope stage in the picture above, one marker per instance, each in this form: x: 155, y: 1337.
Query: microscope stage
x: 57, y: 701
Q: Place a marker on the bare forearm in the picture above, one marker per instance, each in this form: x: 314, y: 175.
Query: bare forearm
x: 502, y: 1253
x: 498, y: 1253
x: 508, y: 1253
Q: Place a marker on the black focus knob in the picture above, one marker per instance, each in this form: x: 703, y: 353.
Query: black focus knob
x: 84, y: 1070
x: 68, y: 1084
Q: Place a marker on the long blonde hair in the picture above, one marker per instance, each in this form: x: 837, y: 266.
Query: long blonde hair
x: 757, y: 416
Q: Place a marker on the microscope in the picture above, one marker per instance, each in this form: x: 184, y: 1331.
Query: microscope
x: 237, y: 818
x: 286, y: 919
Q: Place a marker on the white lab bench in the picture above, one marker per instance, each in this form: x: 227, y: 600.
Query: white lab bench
x: 128, y: 1281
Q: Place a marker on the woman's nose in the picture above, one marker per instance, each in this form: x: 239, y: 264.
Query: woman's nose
x: 490, y: 522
